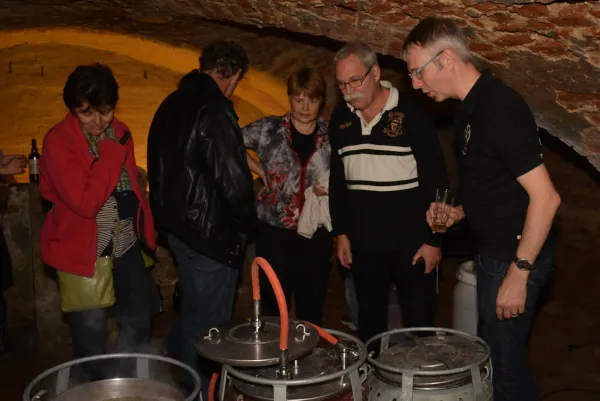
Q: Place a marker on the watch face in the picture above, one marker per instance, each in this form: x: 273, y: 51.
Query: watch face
x: 523, y: 264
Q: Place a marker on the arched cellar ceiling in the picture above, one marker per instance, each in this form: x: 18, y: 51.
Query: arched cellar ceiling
x: 548, y: 50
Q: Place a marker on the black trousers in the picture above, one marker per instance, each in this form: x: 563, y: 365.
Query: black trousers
x: 373, y: 272
x: 302, y: 266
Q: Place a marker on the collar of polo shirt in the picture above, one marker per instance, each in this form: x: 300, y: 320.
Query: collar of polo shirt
x: 392, y: 101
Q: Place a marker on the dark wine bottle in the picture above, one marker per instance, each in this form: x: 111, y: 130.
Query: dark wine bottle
x: 34, y: 158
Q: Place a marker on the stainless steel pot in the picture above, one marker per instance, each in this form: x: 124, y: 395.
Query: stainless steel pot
x: 125, y: 377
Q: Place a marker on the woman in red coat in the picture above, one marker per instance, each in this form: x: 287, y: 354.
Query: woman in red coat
x: 88, y: 172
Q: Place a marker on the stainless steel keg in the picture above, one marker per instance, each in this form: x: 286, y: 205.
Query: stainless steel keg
x: 304, y: 372
x: 277, y: 358
x: 327, y: 373
x: 430, y: 364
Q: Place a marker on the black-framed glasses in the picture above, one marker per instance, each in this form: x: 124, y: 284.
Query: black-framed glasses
x: 416, y: 74
x: 354, y: 83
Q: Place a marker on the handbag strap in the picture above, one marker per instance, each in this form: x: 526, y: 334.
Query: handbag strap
x: 116, y: 238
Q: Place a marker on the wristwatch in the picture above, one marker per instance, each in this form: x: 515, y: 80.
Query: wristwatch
x: 522, y: 264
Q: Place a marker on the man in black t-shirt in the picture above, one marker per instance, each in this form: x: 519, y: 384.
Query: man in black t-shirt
x: 506, y: 192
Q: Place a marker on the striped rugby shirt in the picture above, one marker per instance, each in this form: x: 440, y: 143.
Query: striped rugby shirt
x: 384, y: 174
x: 107, y: 229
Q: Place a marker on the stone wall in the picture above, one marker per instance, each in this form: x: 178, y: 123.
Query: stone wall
x: 548, y: 50
x: 20, y: 297
x: 34, y: 317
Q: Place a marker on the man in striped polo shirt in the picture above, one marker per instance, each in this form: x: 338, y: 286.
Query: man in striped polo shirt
x: 386, y: 166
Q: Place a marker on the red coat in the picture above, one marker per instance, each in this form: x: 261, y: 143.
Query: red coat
x: 78, y: 186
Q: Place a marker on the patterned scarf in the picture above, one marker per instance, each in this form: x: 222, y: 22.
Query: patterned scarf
x: 124, y: 183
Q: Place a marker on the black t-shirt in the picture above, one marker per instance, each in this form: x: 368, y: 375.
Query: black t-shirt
x: 303, y: 145
x: 498, y: 142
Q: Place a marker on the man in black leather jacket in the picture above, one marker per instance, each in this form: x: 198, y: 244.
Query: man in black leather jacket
x: 201, y: 190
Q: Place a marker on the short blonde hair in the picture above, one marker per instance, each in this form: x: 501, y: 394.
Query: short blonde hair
x: 437, y: 34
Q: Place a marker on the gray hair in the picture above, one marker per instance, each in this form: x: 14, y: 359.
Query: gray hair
x: 363, y: 51
x: 437, y: 34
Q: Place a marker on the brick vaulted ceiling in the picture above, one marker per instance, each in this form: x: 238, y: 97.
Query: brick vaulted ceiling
x: 548, y: 50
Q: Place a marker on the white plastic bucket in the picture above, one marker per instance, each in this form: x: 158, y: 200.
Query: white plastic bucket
x: 465, y: 316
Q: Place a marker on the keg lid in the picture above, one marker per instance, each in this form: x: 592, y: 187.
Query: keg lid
x: 319, y: 363
x: 432, y: 352
x: 236, y: 343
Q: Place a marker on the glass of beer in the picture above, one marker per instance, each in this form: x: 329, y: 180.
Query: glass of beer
x: 443, y: 203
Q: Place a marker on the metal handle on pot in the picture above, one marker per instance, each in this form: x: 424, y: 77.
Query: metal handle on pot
x: 38, y: 396
x: 488, y: 379
x: 364, y: 372
x: 488, y: 373
x: 477, y: 383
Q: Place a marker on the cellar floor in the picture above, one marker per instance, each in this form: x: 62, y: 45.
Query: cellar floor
x: 560, y: 325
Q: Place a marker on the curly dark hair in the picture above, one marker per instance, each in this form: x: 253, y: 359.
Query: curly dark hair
x: 92, y: 84
x: 225, y: 58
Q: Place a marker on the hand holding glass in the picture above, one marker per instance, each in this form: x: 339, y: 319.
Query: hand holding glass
x: 441, y: 210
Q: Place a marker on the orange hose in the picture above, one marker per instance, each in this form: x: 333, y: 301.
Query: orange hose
x: 279, y: 295
x: 255, y: 279
x: 328, y: 337
x: 212, y: 385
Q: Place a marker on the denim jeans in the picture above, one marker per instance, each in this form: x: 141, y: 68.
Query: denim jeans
x: 507, y: 338
x: 207, y: 295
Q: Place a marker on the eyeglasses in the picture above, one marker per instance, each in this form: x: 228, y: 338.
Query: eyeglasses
x: 416, y: 74
x: 354, y: 83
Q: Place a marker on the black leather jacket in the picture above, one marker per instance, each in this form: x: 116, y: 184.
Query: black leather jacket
x: 201, y: 188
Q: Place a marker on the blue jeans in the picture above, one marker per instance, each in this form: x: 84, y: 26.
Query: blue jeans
x: 207, y: 295
x: 507, y: 338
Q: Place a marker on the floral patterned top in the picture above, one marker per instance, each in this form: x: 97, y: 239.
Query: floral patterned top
x: 280, y: 203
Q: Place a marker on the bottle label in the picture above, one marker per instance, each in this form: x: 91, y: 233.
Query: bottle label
x: 33, y: 167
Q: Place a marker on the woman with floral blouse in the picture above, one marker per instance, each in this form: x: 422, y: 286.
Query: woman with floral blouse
x: 294, y: 154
